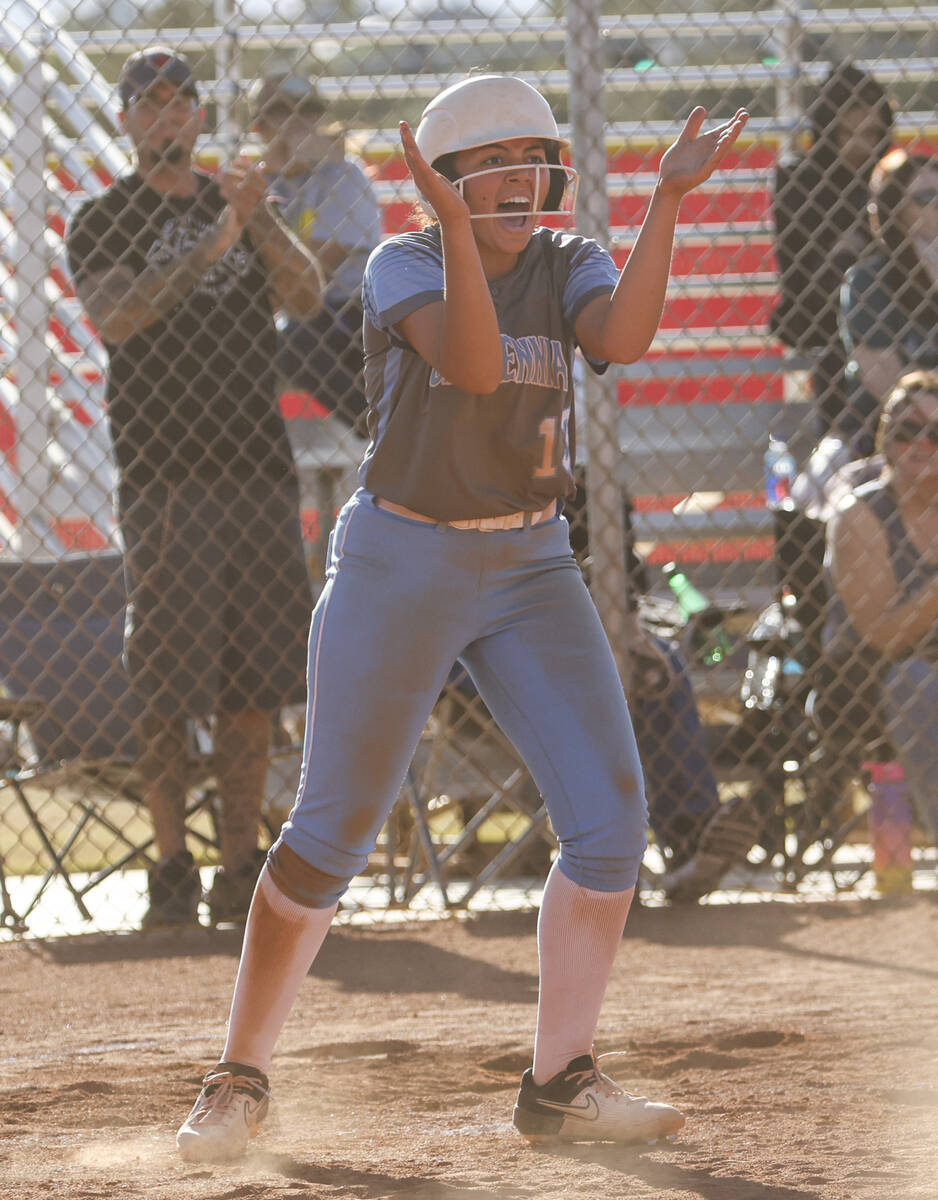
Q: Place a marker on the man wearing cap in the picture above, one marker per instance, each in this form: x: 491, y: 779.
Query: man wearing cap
x: 328, y: 202
x: 181, y: 274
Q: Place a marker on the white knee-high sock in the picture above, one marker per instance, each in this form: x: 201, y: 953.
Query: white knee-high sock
x: 281, y: 940
x: 578, y: 933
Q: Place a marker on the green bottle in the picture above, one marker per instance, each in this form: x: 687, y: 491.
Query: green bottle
x: 708, y: 638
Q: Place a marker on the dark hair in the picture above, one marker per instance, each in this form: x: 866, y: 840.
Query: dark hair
x: 907, y: 278
x: 846, y: 85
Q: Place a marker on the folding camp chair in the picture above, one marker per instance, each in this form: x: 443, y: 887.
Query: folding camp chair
x: 466, y: 766
x: 801, y: 725
x: 71, y: 750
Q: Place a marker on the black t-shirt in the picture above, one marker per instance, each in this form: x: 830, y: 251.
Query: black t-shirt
x: 193, y: 392
x: 814, y: 210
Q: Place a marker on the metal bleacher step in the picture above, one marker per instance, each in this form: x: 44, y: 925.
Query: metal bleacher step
x: 684, y: 448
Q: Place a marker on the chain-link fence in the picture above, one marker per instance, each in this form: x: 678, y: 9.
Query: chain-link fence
x: 167, y: 501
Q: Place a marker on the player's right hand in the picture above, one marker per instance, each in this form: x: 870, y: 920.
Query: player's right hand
x: 445, y: 199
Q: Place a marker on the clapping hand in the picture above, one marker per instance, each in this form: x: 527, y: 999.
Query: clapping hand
x: 695, y: 156
x: 443, y: 197
x: 243, y: 185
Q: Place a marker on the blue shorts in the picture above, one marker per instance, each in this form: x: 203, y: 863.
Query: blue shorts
x: 403, y: 601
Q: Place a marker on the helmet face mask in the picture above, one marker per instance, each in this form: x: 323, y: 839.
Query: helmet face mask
x: 495, y: 108
x: 562, y: 184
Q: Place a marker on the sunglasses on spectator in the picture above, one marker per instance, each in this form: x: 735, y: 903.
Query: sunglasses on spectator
x: 910, y: 430
x: 924, y: 196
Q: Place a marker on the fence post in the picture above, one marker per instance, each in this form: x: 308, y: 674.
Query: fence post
x: 608, y: 580
x: 228, y: 75
x: 28, y: 204
x: 788, y: 89
x: 789, y: 106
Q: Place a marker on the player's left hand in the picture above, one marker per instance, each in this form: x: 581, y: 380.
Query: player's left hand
x: 695, y: 156
x: 445, y: 199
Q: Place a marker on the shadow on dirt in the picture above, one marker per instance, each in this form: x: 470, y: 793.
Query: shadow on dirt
x: 670, y: 1177
x: 372, y: 1185
x: 359, y: 961
x: 632, y: 1163
x: 774, y: 926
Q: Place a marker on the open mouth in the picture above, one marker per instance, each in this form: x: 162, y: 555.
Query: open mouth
x: 515, y: 211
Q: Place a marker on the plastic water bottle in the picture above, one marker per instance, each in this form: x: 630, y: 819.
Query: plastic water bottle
x: 708, y: 638
x: 780, y: 471
x: 890, y: 827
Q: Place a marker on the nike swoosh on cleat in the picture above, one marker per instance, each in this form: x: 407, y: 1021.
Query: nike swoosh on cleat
x: 587, y: 1111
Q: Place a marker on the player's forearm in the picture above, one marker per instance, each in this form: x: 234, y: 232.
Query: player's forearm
x: 636, y: 305
x: 470, y: 345
x: 121, y: 304
x: 296, y: 276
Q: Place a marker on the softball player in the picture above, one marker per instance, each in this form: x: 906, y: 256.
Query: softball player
x: 453, y: 548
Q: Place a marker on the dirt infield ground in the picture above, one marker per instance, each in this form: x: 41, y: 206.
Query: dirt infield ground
x: 802, y: 1042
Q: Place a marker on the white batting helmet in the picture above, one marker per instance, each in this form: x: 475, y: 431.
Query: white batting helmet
x: 490, y: 108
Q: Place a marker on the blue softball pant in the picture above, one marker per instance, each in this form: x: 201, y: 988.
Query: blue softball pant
x: 403, y: 601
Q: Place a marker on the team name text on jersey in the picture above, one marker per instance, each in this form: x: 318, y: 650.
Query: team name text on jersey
x: 536, y: 360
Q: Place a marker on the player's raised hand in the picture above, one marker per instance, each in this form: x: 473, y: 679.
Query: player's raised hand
x: 695, y: 156
x: 445, y: 199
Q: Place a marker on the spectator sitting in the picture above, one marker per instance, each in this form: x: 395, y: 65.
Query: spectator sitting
x: 180, y: 274
x: 889, y: 302
x: 821, y: 226
x: 328, y: 202
x: 881, y: 634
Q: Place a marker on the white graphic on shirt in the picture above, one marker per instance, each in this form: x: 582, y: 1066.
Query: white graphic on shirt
x: 535, y: 360
x: 178, y: 235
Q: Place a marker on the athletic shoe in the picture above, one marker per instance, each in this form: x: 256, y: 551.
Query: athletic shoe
x: 232, y: 1103
x: 581, y: 1104
x: 230, y: 895
x: 174, y: 890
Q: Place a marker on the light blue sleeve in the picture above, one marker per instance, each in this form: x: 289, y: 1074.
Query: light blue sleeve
x: 592, y: 273
x: 402, y: 275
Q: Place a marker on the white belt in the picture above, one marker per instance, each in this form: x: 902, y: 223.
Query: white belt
x: 515, y: 520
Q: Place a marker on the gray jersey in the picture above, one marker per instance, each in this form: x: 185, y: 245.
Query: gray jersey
x: 454, y: 455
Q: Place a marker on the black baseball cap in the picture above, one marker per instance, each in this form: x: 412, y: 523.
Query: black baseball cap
x: 285, y: 92
x: 147, y: 67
